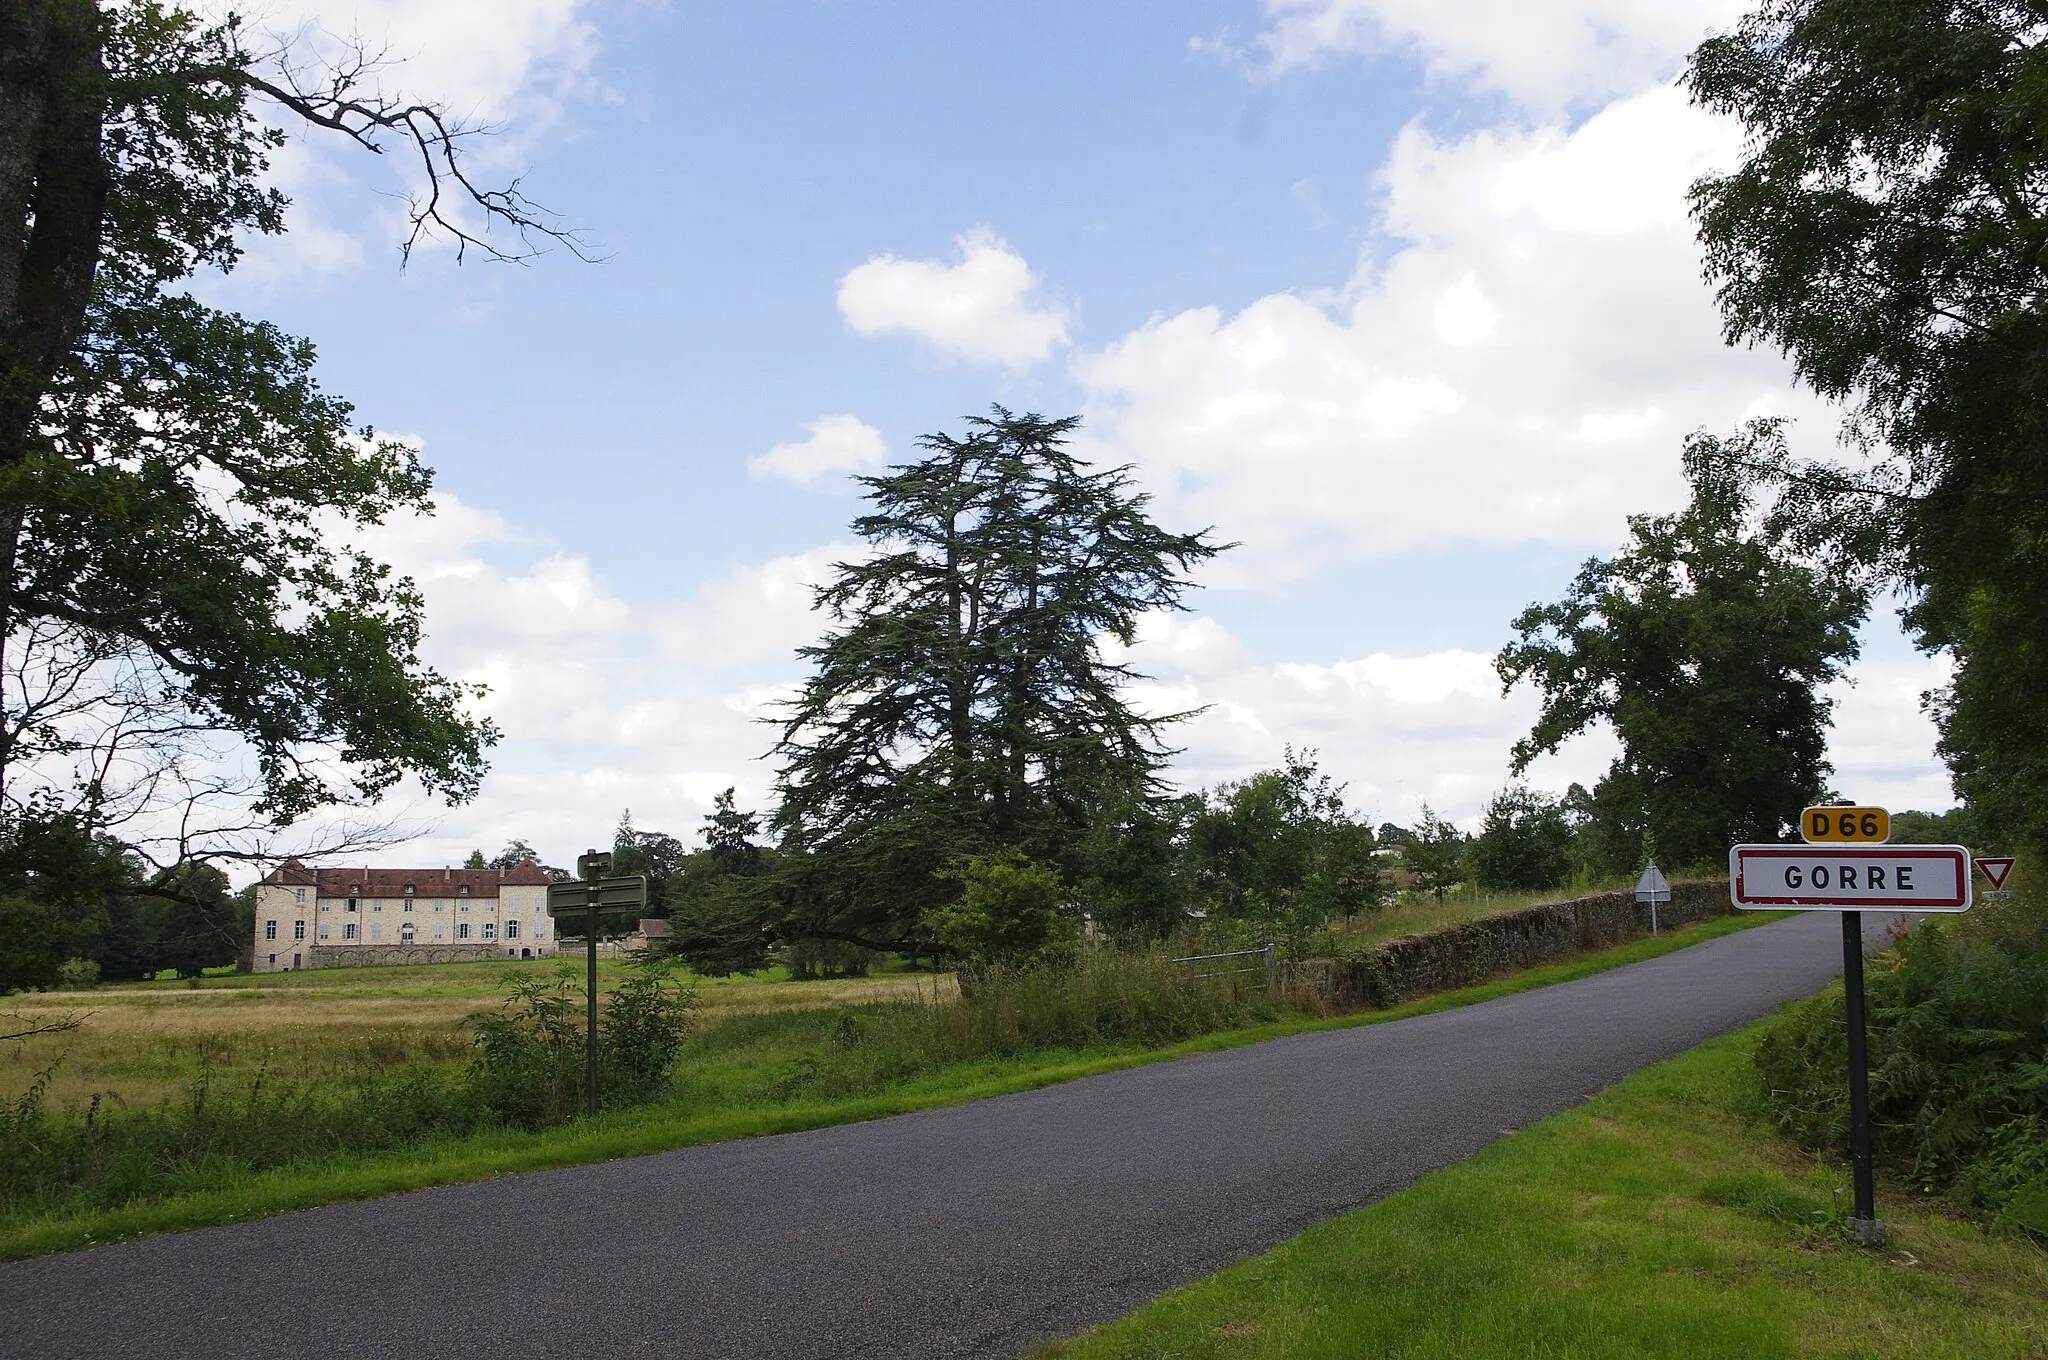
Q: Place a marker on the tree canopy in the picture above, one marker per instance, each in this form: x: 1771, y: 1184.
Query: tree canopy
x: 1887, y: 228
x: 963, y: 702
x: 1703, y: 642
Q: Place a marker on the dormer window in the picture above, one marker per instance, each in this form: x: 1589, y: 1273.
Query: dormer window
x: 355, y: 890
x: 408, y: 890
x: 463, y: 890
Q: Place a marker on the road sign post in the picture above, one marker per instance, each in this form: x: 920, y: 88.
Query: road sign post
x: 1841, y: 869
x: 1652, y: 889
x: 589, y: 895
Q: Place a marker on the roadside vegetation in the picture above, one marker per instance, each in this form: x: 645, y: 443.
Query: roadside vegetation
x: 1666, y: 1216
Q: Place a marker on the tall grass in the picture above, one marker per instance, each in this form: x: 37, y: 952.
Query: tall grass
x: 526, y: 1074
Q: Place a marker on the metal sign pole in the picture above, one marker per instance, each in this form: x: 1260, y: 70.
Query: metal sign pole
x: 590, y: 1000
x: 1865, y: 1224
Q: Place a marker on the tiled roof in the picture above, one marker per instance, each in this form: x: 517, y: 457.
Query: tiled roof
x: 368, y: 882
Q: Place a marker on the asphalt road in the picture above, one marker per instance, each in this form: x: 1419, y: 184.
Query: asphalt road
x: 960, y: 1232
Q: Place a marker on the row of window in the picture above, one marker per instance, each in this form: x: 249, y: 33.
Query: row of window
x: 349, y: 931
x: 378, y: 905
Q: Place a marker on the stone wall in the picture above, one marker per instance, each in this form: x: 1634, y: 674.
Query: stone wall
x: 379, y: 955
x: 1461, y: 955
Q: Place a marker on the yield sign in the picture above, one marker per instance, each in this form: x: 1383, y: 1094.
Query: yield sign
x: 1995, y: 870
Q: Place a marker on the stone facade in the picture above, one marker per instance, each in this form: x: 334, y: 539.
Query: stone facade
x: 335, y: 918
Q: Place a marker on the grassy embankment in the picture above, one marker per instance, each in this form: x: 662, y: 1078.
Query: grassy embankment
x: 1662, y: 1218
x: 750, y: 1074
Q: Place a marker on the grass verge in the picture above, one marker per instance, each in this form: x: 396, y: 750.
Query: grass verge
x: 1661, y: 1218
x: 660, y: 1128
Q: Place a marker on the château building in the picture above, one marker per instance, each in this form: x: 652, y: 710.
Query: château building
x: 337, y: 918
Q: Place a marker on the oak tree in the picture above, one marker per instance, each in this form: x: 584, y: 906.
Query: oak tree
x: 1704, y: 643
x: 1887, y: 229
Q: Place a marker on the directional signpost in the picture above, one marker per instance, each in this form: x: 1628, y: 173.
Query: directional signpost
x: 589, y: 895
x: 1652, y: 889
x: 1846, y: 867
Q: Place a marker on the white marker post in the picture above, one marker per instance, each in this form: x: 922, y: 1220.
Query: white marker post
x: 1847, y: 877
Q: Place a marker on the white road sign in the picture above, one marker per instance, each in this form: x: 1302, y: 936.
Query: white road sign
x: 1850, y: 877
x: 1652, y: 887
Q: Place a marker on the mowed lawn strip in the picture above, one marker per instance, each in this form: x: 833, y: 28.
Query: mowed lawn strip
x: 1662, y: 1218
x: 664, y: 1127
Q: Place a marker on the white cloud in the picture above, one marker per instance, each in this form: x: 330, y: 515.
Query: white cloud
x: 837, y: 443
x: 1544, y: 54
x: 1434, y: 727
x: 983, y: 308
x: 1520, y: 364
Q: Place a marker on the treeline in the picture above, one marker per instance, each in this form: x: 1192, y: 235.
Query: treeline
x: 93, y: 912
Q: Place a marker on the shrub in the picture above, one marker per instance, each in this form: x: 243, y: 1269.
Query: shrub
x: 530, y: 1065
x: 1011, y: 914
x: 1958, y: 1020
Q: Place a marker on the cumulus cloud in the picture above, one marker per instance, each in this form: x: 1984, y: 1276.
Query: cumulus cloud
x: 1520, y: 363
x: 983, y: 308
x: 1543, y: 54
x: 1434, y: 727
x: 838, y: 443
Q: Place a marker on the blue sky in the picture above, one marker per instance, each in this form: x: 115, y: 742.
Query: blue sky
x: 1400, y: 295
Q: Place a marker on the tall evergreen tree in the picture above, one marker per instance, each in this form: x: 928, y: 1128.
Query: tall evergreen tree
x: 964, y: 702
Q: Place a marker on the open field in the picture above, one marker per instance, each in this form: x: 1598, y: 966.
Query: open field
x: 143, y: 1043
x: 1661, y: 1218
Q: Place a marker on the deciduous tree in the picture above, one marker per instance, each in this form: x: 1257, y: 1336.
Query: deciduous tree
x: 1704, y: 643
x: 1887, y: 228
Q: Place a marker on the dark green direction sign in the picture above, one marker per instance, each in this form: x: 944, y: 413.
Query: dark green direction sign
x: 610, y: 895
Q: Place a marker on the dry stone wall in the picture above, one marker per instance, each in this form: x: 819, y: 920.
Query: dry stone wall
x: 1461, y: 955
x: 374, y: 956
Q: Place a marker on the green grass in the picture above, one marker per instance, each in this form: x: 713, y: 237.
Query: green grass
x: 748, y: 1076
x: 1662, y: 1218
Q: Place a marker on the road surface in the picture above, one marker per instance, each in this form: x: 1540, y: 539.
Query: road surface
x: 960, y: 1232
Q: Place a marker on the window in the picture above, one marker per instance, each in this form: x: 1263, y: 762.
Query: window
x: 323, y: 932
x: 302, y: 894
x: 408, y: 904
x: 437, y: 906
x: 377, y: 932
x: 462, y: 931
x: 351, y: 904
x: 298, y: 930
x: 355, y: 890
x: 511, y: 930
x: 327, y: 906
x: 408, y: 890
x: 465, y: 906
x: 437, y: 932
x: 270, y: 932
x: 490, y: 930
x: 348, y: 931
x: 377, y: 905
x: 463, y: 890
x: 273, y: 958
x: 405, y: 933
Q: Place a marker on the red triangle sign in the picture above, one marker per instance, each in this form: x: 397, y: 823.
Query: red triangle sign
x: 1995, y: 870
